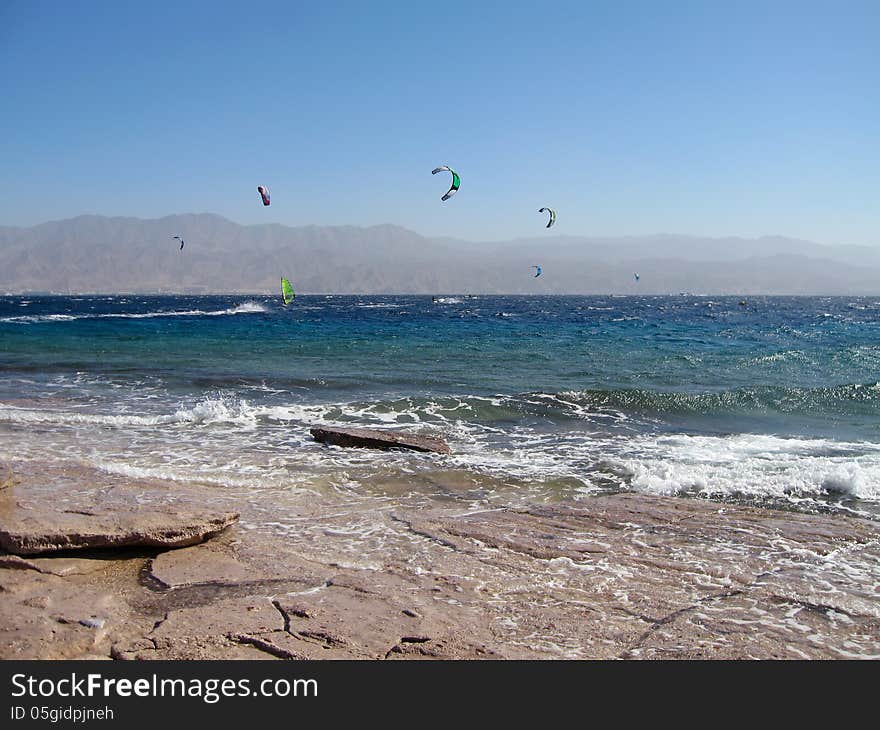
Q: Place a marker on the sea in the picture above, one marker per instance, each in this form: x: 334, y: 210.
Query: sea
x: 770, y: 401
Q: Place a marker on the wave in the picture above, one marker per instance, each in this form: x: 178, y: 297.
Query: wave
x: 44, y: 318
x: 618, y: 405
x: 223, y: 409
x: 753, y: 466
x: 596, y: 406
x: 601, y: 407
x: 249, y: 307
x: 504, y: 438
x: 838, y: 399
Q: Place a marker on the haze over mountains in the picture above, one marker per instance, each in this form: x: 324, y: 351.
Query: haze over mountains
x: 104, y: 255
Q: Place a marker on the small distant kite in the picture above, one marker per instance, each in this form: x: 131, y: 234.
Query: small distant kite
x: 181, y: 241
x: 456, y: 180
x: 287, y: 293
x: 636, y: 277
x: 537, y: 270
x: 264, y: 194
x: 552, y: 215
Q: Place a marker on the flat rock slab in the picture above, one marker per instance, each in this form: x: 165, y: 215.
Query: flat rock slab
x: 48, y: 508
x: 200, y: 564
x: 635, y: 576
x: 44, y: 528
x: 369, y: 438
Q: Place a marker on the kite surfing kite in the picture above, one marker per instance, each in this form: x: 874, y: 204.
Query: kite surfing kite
x: 537, y: 270
x: 287, y: 293
x: 181, y: 241
x: 456, y: 180
x: 637, y: 277
x: 552, y: 215
x: 264, y: 193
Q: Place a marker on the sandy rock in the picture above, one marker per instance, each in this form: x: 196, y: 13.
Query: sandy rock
x: 379, y: 439
x: 207, y: 632
x: 374, y: 616
x: 61, y: 508
x: 197, y: 649
x: 13, y: 562
x: 7, y: 478
x: 53, y: 565
x: 41, y: 528
x: 40, y: 617
x: 65, y: 566
x: 199, y: 564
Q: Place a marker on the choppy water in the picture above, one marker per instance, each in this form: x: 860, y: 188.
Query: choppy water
x: 776, y: 402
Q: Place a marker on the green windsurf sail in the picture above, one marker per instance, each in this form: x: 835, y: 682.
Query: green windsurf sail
x: 287, y: 292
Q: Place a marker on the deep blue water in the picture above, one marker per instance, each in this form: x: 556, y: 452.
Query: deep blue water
x: 776, y: 399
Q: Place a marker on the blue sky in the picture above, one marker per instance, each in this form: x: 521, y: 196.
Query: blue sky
x: 710, y: 118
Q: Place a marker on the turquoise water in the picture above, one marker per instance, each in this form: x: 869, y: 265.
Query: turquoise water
x: 774, y: 401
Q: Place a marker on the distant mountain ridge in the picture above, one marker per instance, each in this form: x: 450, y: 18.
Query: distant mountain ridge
x: 97, y: 254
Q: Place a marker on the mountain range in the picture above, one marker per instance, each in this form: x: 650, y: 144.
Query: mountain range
x: 96, y: 254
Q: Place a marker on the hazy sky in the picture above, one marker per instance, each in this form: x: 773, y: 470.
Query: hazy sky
x: 711, y: 118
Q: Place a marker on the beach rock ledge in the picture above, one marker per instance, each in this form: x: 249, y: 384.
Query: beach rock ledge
x: 369, y: 438
x: 45, y: 530
x: 95, y: 511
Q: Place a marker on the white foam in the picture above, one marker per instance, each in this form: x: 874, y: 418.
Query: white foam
x: 13, y: 414
x: 228, y: 439
x: 754, y: 465
x: 248, y: 307
x: 209, y: 410
x: 44, y: 318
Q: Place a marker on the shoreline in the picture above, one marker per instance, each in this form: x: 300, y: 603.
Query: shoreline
x: 614, y: 576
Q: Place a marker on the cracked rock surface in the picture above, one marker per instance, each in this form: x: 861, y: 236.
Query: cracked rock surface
x: 621, y: 576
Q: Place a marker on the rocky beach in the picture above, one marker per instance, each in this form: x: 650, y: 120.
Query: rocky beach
x: 469, y: 477
x: 97, y: 566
